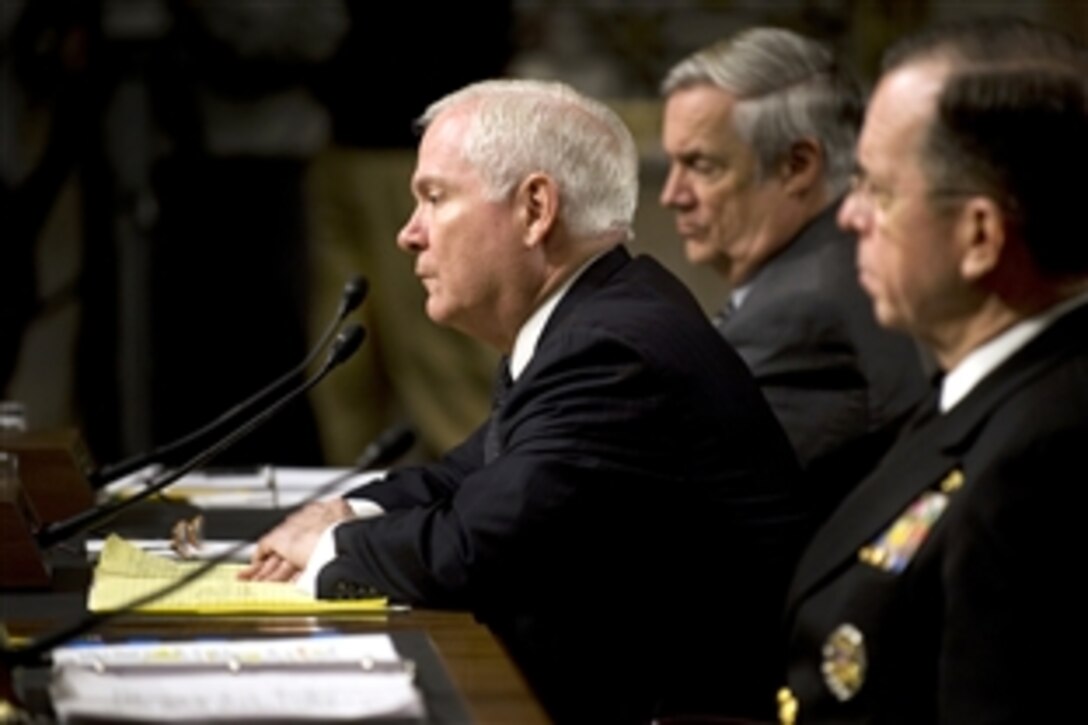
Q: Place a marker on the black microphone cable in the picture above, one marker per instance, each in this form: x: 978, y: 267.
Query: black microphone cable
x: 343, y: 347
x: 353, y: 295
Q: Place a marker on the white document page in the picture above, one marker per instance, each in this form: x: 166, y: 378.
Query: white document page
x: 261, y: 488
x: 307, y: 678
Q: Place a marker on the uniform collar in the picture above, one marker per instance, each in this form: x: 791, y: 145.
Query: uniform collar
x: 984, y: 359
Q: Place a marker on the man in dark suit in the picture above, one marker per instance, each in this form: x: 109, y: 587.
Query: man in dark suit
x: 625, y: 520
x: 945, y: 587
x: 760, y: 130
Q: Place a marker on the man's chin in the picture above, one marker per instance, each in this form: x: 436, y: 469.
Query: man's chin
x: 886, y: 317
x: 698, y: 253
x: 434, y: 311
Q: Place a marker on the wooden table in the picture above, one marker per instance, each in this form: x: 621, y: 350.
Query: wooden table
x: 486, y: 682
x: 492, y: 687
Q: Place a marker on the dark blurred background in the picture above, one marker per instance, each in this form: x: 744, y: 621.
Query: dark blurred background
x: 185, y: 185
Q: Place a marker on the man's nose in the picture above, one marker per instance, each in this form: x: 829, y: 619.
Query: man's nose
x: 853, y: 213
x: 411, y: 237
x: 675, y: 193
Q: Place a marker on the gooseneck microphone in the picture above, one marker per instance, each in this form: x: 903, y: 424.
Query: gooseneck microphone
x: 385, y: 449
x: 343, y: 347
x: 353, y: 295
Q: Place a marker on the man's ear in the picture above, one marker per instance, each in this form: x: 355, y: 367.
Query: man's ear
x: 802, y: 169
x: 980, y: 230
x: 538, y: 200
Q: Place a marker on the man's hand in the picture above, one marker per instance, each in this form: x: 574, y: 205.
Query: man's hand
x: 272, y: 568
x: 283, y: 552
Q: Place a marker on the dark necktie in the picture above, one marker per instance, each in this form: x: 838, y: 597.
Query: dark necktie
x: 503, y: 382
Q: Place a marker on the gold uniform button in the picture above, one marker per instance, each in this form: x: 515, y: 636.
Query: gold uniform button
x: 872, y: 556
x: 788, y: 707
x: 953, y: 481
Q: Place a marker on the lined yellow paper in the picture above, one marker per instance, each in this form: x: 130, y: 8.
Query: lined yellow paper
x: 126, y: 572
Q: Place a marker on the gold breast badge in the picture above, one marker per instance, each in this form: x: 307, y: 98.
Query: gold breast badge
x: 845, y: 661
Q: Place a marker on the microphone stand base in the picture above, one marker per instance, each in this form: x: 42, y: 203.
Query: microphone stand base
x: 53, y: 466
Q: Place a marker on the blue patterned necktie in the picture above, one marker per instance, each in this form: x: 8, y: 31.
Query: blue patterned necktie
x: 722, y: 316
x: 503, y: 382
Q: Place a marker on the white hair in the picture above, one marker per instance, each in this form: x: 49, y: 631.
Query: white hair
x: 518, y: 127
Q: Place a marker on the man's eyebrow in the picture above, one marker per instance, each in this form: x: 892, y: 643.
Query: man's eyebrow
x: 699, y: 155
x: 423, y: 181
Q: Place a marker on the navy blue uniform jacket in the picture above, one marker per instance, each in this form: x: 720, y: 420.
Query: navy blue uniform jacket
x: 946, y: 588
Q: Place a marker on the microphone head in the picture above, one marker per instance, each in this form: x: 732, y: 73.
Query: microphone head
x: 355, y: 291
x: 390, y: 445
x: 345, y: 345
x: 395, y: 442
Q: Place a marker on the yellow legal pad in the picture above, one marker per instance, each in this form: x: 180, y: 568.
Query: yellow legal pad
x: 126, y: 572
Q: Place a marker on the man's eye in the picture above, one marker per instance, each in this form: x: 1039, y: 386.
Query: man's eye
x: 705, y: 166
x: 863, y: 185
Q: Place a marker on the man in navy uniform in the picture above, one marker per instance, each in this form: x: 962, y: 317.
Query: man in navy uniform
x: 946, y: 587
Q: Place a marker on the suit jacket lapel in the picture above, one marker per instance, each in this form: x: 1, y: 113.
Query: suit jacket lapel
x: 590, y: 281
x: 921, y: 461
x: 912, y: 466
x: 782, y: 266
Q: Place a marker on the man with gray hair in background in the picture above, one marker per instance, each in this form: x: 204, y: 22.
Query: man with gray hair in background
x: 626, y: 520
x: 759, y: 129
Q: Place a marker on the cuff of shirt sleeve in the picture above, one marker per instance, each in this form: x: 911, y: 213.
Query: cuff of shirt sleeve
x: 364, y: 508
x: 325, y: 551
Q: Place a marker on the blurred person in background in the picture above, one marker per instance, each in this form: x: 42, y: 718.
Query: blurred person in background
x: 229, y: 283
x: 759, y: 129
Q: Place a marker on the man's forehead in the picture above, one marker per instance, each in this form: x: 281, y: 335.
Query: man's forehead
x: 441, y: 148
x: 901, y: 108
x: 446, y: 128
x: 699, y: 106
x: 909, y: 92
x: 698, y: 120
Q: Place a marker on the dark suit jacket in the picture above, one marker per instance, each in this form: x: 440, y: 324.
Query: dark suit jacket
x: 838, y: 382
x: 979, y: 623
x: 632, y: 542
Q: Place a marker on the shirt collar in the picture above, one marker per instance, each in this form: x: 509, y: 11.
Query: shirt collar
x: 739, y: 294
x: 983, y: 360
x: 529, y: 334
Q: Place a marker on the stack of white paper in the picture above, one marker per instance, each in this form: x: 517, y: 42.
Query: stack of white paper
x: 346, y: 677
x: 264, y: 487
